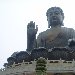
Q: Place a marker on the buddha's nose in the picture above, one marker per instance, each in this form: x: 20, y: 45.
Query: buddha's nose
x: 54, y: 17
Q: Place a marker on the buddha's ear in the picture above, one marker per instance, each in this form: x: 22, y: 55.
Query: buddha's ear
x: 47, y: 19
x: 48, y: 25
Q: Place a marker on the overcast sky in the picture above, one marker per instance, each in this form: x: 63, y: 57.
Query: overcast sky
x: 16, y: 14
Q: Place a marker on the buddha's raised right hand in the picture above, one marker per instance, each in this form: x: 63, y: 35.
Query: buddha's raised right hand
x: 31, y: 30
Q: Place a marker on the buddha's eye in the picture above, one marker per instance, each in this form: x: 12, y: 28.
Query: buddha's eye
x: 50, y: 14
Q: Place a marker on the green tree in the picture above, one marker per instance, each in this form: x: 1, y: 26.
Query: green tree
x: 41, y: 66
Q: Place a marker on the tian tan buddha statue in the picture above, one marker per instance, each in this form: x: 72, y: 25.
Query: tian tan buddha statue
x: 54, y: 43
x: 54, y: 36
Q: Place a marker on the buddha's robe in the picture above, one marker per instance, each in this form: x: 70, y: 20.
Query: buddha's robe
x: 55, y: 37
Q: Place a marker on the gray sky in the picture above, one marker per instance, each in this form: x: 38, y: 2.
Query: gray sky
x: 16, y: 14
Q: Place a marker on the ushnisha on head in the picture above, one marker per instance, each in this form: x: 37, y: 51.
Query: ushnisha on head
x: 55, y: 16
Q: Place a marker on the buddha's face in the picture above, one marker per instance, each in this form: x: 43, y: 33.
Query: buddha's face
x: 55, y: 18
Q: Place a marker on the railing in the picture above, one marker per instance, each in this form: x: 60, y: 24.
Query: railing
x: 34, y: 62
x: 52, y: 66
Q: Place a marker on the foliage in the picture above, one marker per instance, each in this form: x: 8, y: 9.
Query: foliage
x: 41, y: 66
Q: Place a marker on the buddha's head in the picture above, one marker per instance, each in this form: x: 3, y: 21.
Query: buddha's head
x: 55, y: 16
